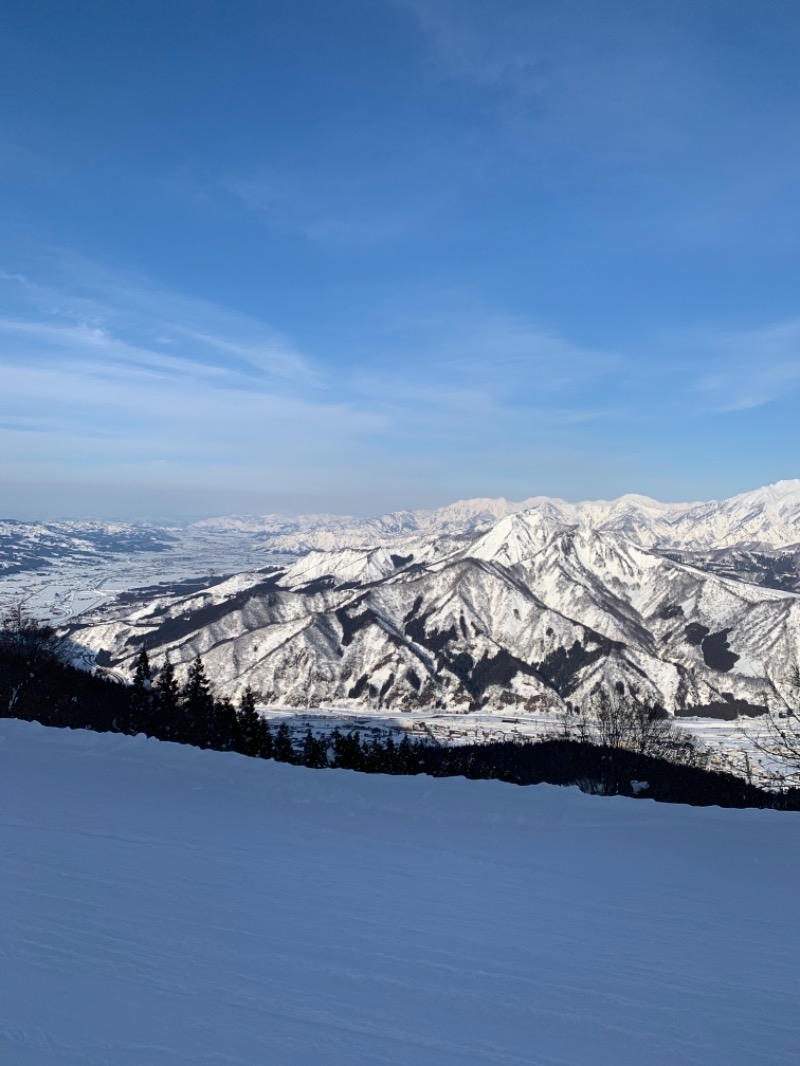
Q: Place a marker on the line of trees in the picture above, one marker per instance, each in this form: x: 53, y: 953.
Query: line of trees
x: 629, y: 749
x: 621, y: 720
x: 780, y: 740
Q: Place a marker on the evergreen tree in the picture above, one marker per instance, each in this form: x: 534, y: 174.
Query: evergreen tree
x: 347, y: 750
x: 250, y: 723
x: 225, y: 732
x: 389, y: 755
x: 405, y: 756
x: 307, y: 754
x: 354, y: 752
x: 375, y: 756
x: 169, y: 700
x: 333, y: 739
x: 314, y: 752
x: 334, y: 747
x: 282, y: 748
x: 266, y: 745
x: 141, y: 697
x: 198, y: 704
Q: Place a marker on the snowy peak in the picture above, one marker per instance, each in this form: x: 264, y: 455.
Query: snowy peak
x: 785, y: 490
x: 349, y: 566
x: 519, y: 537
x: 767, y: 517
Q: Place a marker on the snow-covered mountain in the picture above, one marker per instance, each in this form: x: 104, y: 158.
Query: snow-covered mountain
x: 538, y: 610
x: 327, y: 532
x: 766, y: 518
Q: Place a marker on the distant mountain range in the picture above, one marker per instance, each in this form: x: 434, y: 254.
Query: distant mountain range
x: 529, y: 605
x: 326, y: 532
x: 768, y: 517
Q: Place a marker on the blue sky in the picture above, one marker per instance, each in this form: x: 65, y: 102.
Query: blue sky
x: 359, y: 255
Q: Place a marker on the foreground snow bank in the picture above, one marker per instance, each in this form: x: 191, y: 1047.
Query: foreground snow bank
x: 161, y: 905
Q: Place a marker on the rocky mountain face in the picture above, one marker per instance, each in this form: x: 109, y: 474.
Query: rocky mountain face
x: 532, y: 606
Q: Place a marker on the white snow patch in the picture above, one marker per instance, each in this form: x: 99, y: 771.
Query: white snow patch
x: 162, y: 905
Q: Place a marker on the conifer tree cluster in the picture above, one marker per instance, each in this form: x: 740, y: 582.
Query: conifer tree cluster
x: 157, y: 705
x: 191, y: 714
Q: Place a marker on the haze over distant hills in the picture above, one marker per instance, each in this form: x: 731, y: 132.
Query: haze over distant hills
x: 532, y: 605
x: 769, y: 516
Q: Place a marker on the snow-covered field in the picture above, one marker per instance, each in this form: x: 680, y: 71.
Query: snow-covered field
x: 71, y: 585
x: 162, y: 905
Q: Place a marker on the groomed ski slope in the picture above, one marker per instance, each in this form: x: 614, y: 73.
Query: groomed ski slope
x: 161, y: 906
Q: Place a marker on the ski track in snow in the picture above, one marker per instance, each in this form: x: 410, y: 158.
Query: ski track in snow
x: 161, y: 906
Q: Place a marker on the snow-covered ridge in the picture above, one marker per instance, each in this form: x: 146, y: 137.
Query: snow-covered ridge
x: 768, y: 517
x: 327, y: 532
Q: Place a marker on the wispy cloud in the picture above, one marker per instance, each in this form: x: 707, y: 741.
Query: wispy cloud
x: 129, y: 318
x: 458, y: 360
x: 108, y: 372
x: 578, y: 76
x: 750, y: 367
x: 638, y: 96
x: 334, y: 210
x: 103, y: 370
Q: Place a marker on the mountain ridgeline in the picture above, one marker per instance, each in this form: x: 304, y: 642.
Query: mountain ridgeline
x: 534, y: 606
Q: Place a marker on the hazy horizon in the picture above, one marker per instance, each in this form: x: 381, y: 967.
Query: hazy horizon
x: 291, y: 510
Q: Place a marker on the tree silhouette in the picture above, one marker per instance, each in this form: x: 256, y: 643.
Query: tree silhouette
x: 141, y: 697
x: 250, y: 724
x: 198, y: 704
x: 314, y: 753
x: 266, y: 748
x: 168, y: 700
x: 282, y: 748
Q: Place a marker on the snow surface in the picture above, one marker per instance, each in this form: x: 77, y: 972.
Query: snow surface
x: 162, y: 905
